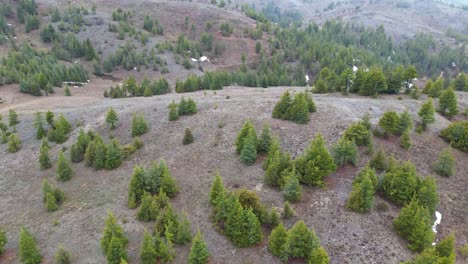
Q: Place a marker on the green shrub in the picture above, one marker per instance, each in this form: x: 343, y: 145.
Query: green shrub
x: 457, y: 135
x: 446, y: 163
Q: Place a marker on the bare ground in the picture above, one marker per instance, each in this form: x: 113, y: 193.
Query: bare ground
x: 347, y: 236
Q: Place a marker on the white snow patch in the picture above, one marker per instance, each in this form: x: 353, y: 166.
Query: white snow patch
x: 204, y: 58
x: 355, y: 68
x: 437, y: 221
x: 307, y: 77
x: 194, y: 60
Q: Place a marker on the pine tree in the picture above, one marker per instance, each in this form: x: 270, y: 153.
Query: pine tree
x: 409, y: 75
x: 90, y: 153
x: 64, y: 170
x: 67, y: 91
x: 414, y: 224
x: 184, y: 231
x: 139, y: 125
x: 315, y: 163
x: 116, y: 251
x: 405, y: 140
x: 100, y: 155
x: 173, y: 112
x: 344, y: 152
x: 427, y: 194
x: 379, y: 161
x: 299, y: 111
x: 188, y: 137
x: 301, y: 241
x: 361, y: 198
x: 112, y: 230
x: 248, y: 153
x: 114, y: 155
x: 428, y: 86
x: 448, y: 103
x: 62, y: 256
x: 426, y: 112
x: 14, y: 143
x: 168, y: 183
x: 389, y: 122
x: 251, y: 230
x: 199, y: 251
x: 446, y: 248
x: 445, y: 164
x: 400, y: 183
x: 112, y: 118
x: 3, y: 240
x: 406, y: 122
x: 288, y: 211
x: 265, y: 140
x: 436, y: 88
x: 63, y: 124
x: 13, y: 119
x: 247, y: 129
x: 50, y: 119
x: 319, y: 256
x: 218, y: 192
x: 277, y: 242
x: 281, y: 108
x: 135, y: 189
x: 28, y: 252
x: 148, y: 254
x: 39, y: 124
x: 292, y: 190
x: 144, y: 212
x: 50, y: 202
x: 273, y: 174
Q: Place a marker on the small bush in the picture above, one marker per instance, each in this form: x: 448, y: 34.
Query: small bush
x: 188, y: 137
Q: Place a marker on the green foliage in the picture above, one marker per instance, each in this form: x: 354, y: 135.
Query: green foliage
x: 446, y: 163
x: 218, y: 192
x: 139, y: 125
x: 344, y: 152
x: 426, y: 112
x: 199, y: 251
x: 248, y: 154
x: 52, y: 196
x: 276, y: 162
x: 292, y: 190
x: 401, y: 183
x: 62, y: 256
x: 457, y: 135
x: 14, y: 143
x: 361, y: 198
x: 114, y: 155
x: 188, y: 137
x: 265, y: 140
x: 379, y: 161
x: 436, y: 88
x: 374, y: 83
x: 414, y: 224
x: 226, y: 29
x: 405, y: 140
x: 31, y: 23
x: 39, y: 124
x: 187, y: 106
x: 116, y: 251
x: 389, y: 122
x: 296, y: 110
x: 443, y: 252
x: 288, y: 211
x: 427, y: 194
x: 247, y: 130
x: 28, y: 252
x: 64, y: 170
x: 67, y: 91
x: 301, y: 241
x: 315, y: 163
x: 243, y: 227
x: 113, y: 231
x: 173, y: 112
x: 319, y: 256
x: 448, y: 105
x: 277, y: 241
x: 184, y: 231
x: 406, y: 122
x: 112, y: 118
x: 3, y: 240
x: 359, y: 133
x: 149, y: 252
x: 13, y: 119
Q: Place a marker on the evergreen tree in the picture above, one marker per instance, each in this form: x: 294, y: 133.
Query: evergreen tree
x: 426, y: 112
x: 273, y: 173
x: 173, y: 112
x: 63, y: 124
x: 406, y: 122
x: 246, y: 130
x: 14, y: 143
x: 405, y: 140
x: 265, y: 140
x: 188, y: 137
x: 111, y: 117
x: 315, y: 163
x: 50, y: 202
x: 428, y: 86
x: 67, y: 91
x: 100, y: 155
x: 64, y: 170
x: 148, y: 92
x: 218, y: 192
x: 199, y: 251
x: 3, y: 240
x: 456, y: 134
x: 292, y: 190
x: 281, y: 108
x: 135, y: 189
x: 288, y: 211
x: 299, y: 111
x: 389, y: 122
x: 139, y: 125
x: 116, y: 251
x: 427, y: 194
x: 13, y: 119
x: 319, y: 256
x: 62, y: 256
x: 414, y: 224
x: 28, y: 252
x: 344, y: 152
x: 168, y: 183
x: 248, y: 154
x: 277, y: 242
x: 445, y: 164
x: 50, y: 119
x: 112, y: 230
x: 410, y: 74
x: 379, y: 161
x: 148, y: 254
x: 301, y: 242
x: 436, y: 88
x: 114, y: 155
x: 90, y: 153
x: 191, y: 107
x: 144, y: 212
x: 39, y: 124
x: 359, y: 133
x: 446, y: 248
x: 448, y: 103
x: 400, y: 183
x: 184, y: 231
x: 361, y: 198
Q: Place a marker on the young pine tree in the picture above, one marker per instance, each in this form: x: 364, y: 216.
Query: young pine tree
x: 427, y: 194
x: 173, y: 112
x: 114, y: 155
x: 116, y: 251
x: 148, y: 254
x: 246, y: 130
x: 277, y: 242
x: 426, y: 112
x: 64, y: 170
x: 319, y: 256
x: 67, y: 91
x: 344, y: 152
x: 63, y: 124
x: 188, y: 137
x: 405, y: 140
x: 218, y: 192
x: 299, y: 111
x: 389, y: 122
x: 39, y: 124
x: 265, y: 140
x: 281, y: 108
x: 199, y: 251
x: 14, y: 143
x: 112, y: 230
x: 111, y: 118
x: 62, y: 256
x: 361, y: 198
x: 28, y: 252
x: 248, y: 153
x: 50, y: 119
x: 448, y: 105
x: 446, y: 163
x: 13, y: 119
x: 379, y: 161
x: 292, y: 190
x: 301, y: 241
x: 184, y: 231
x: 139, y: 125
x: 288, y: 211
